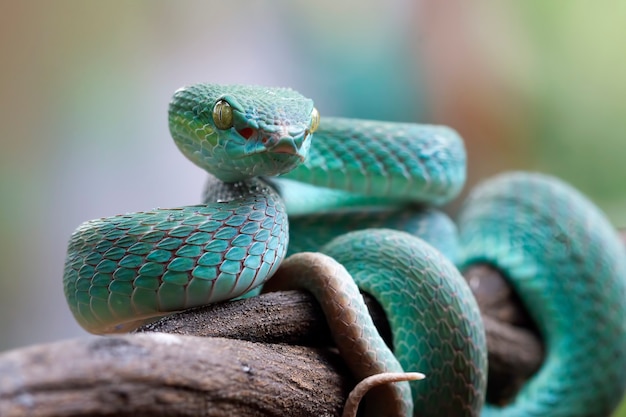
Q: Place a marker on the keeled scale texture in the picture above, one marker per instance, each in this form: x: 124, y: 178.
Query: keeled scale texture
x: 569, y: 268
x: 127, y: 268
x: 310, y: 232
x: 560, y: 253
x: 436, y: 325
x: 402, y: 160
x: 261, y: 110
x: 352, y: 327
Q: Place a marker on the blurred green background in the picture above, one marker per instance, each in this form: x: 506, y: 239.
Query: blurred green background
x: 84, y: 88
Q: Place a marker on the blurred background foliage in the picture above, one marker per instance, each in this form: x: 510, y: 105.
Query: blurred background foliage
x: 84, y: 89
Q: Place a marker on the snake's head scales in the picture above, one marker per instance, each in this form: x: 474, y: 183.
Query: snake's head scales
x: 237, y: 132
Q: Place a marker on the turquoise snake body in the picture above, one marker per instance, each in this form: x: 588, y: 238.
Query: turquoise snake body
x: 557, y: 249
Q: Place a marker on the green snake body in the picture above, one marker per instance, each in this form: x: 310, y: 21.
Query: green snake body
x: 394, y: 266
x: 557, y: 249
x: 568, y: 266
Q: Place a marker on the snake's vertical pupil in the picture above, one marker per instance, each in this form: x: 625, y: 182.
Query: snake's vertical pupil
x: 223, y: 115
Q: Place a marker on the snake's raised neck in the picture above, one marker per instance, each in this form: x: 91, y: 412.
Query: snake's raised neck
x: 237, y: 132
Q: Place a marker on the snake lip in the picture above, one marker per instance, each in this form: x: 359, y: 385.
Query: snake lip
x: 287, y: 152
x: 285, y: 145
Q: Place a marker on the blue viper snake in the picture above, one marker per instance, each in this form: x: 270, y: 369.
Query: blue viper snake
x: 556, y: 248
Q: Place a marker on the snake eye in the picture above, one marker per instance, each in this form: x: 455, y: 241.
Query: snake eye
x: 223, y: 115
x: 315, y: 120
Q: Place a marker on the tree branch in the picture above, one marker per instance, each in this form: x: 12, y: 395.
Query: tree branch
x: 246, y: 361
x: 170, y: 375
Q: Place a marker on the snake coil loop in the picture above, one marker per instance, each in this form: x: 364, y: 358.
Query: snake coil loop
x: 558, y: 250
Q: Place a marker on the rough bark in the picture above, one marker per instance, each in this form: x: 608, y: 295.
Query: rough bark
x: 158, y: 374
x: 515, y: 350
x: 265, y: 356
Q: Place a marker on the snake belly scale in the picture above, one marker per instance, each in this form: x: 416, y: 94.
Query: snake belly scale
x: 128, y: 269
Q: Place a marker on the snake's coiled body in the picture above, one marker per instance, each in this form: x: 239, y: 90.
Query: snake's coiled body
x: 568, y: 266
x: 127, y: 269
x: 558, y: 250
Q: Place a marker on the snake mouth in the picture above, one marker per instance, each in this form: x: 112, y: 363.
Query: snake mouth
x: 280, y: 144
x: 277, y: 143
x: 286, y: 146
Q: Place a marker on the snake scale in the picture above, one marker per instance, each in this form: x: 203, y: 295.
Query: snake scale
x: 557, y: 249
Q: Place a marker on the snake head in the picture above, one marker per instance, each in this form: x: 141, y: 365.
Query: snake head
x: 237, y: 132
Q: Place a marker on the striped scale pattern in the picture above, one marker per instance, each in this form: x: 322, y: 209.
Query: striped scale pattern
x: 130, y: 268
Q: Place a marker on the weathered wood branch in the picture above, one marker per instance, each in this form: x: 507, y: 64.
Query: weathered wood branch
x: 158, y: 374
x: 515, y: 350
x: 263, y: 356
